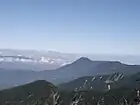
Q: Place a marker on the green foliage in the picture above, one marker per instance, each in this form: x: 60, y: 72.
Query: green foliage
x: 45, y: 93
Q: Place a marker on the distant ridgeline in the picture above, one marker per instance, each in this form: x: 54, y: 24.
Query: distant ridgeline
x: 10, y: 76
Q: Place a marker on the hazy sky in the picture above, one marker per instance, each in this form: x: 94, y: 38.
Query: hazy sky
x: 74, y: 26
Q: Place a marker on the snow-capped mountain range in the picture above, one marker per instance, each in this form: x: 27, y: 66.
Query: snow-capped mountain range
x: 20, y: 58
x: 33, y: 60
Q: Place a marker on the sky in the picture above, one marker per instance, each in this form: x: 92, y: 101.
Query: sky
x: 72, y: 26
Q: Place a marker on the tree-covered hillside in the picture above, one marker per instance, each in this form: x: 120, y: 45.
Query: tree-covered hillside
x: 44, y: 93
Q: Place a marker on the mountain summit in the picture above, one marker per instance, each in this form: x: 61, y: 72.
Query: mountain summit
x: 82, y: 60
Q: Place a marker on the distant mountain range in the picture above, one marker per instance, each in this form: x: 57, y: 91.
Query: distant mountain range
x: 28, y: 63
x: 47, y: 60
x: 33, y: 60
x: 79, y: 68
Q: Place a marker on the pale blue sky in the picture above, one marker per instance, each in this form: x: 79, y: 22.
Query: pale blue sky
x: 74, y: 26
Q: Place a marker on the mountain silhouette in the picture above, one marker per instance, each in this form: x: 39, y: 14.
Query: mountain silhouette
x: 79, y: 68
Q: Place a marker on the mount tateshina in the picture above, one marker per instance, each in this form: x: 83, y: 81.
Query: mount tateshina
x: 79, y: 68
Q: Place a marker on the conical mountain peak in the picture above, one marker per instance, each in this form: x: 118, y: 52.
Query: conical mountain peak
x: 83, y: 60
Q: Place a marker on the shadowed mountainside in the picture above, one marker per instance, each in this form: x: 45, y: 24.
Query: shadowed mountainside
x: 101, y: 82
x: 44, y: 93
